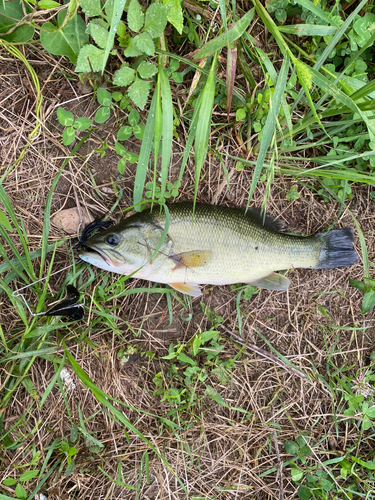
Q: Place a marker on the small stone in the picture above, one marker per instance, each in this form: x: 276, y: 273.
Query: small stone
x: 69, y: 221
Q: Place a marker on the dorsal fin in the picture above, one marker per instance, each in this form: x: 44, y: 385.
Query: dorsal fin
x: 267, y: 221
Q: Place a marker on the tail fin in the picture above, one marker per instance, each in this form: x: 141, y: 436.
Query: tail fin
x: 337, y: 249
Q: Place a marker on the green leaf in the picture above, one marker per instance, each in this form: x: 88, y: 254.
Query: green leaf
x: 20, y: 492
x: 95, y: 55
x: 304, y: 493
x: 131, y: 49
x: 167, y: 128
x: 182, y: 358
x: 291, y: 447
x: 308, y: 29
x: 178, y: 77
x: 315, y: 9
x: 10, y: 14
x: 296, y: 474
x: 215, y: 396
x: 124, y: 76
x: 196, y: 344
x: 270, y: 125
x: 144, y: 155
x: 124, y: 133
x: 139, y: 92
x: 371, y: 414
x: 66, y: 41
x: 147, y: 69
x: 240, y: 114
x: 133, y: 117
x: 144, y: 43
x: 368, y: 301
x: 9, y: 481
x: 66, y: 118
x: 29, y: 474
x: 280, y: 15
x: 117, y: 96
x: 132, y: 157
x: 156, y: 19
x: 175, y: 14
x: 69, y: 136
x: 138, y: 131
x: 273, y: 5
x: 98, y: 33
x: 82, y: 123
x: 222, y: 40
x: 117, y: 7
x: 104, y: 97
x: 293, y: 193
x: 48, y: 4
x: 120, y: 149
x: 203, y: 126
x: 135, y: 16
x: 121, y: 165
x: 91, y: 8
x: 102, y: 114
x: 5, y: 222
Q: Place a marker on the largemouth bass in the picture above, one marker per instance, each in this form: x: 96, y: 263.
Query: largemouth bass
x: 218, y: 246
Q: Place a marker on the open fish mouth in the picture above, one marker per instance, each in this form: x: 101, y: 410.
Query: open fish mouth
x: 101, y: 254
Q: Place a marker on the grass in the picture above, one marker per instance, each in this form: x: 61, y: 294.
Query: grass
x: 241, y: 393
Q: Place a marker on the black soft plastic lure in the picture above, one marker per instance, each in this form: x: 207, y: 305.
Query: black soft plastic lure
x: 96, y: 224
x: 68, y: 306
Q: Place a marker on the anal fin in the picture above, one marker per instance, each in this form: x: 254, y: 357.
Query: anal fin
x: 195, y: 258
x: 187, y: 288
x: 273, y: 281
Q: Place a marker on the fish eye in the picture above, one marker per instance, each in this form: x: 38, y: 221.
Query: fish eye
x: 113, y: 240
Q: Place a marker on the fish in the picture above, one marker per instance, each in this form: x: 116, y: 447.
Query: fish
x: 213, y: 245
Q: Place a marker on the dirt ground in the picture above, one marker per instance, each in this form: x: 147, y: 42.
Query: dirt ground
x: 218, y: 451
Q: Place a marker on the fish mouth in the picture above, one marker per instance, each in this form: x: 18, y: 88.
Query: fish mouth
x: 101, y: 254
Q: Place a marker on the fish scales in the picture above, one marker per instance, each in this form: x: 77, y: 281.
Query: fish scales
x: 216, y: 245
x: 243, y: 249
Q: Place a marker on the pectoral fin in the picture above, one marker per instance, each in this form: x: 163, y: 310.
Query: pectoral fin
x: 195, y: 258
x: 272, y: 282
x: 187, y: 288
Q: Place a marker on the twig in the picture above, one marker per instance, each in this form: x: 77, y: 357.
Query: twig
x: 280, y: 469
x: 267, y: 355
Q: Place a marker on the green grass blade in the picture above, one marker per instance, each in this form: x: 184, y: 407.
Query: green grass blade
x: 324, y: 84
x: 202, y: 134
x: 167, y: 108
x: 102, y: 398
x: 308, y: 30
x: 191, y: 136
x: 144, y: 155
x: 117, y: 10
x: 46, y: 224
x: 158, y: 131
x: 273, y: 74
x: 231, y: 74
x: 223, y: 12
x: 315, y: 9
x: 25, y: 263
x: 215, y: 45
x: 270, y: 125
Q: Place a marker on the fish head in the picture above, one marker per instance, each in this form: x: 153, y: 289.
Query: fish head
x: 117, y: 250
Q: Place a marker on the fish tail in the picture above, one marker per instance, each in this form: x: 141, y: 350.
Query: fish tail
x: 337, y: 249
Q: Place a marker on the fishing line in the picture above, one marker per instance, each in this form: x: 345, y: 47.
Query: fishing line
x: 68, y: 306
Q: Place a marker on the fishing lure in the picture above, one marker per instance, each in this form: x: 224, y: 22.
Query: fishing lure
x: 68, y: 306
x: 87, y: 230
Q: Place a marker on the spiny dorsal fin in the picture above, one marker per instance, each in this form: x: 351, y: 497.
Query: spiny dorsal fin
x: 267, y: 221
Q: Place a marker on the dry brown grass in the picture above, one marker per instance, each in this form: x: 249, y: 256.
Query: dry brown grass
x: 218, y: 452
